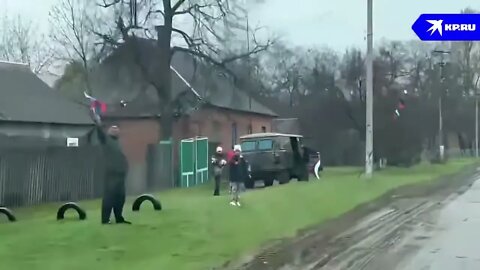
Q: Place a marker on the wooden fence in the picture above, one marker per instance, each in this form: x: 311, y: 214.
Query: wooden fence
x: 34, y: 175
x: 160, y: 172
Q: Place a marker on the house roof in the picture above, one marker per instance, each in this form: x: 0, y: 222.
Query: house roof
x: 267, y: 135
x: 120, y: 78
x: 25, y: 97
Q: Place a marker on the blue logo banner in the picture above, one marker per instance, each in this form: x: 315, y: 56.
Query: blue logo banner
x: 448, y: 27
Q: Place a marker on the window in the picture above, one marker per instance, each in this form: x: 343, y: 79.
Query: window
x: 264, y: 129
x: 265, y: 145
x: 284, y: 143
x: 248, y: 146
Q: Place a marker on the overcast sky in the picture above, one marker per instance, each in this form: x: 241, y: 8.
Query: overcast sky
x: 337, y: 24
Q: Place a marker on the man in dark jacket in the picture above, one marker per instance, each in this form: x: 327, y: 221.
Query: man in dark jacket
x: 239, y: 172
x: 115, y: 173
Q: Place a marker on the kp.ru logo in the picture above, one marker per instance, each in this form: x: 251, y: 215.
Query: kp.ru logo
x: 447, y: 27
x: 437, y: 27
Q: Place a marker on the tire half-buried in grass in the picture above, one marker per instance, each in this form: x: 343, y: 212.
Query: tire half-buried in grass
x: 146, y: 197
x: 7, y: 212
x: 82, y: 215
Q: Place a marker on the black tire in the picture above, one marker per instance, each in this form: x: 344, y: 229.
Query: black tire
x: 283, y: 177
x: 268, y: 182
x: 82, y: 215
x: 7, y: 212
x: 157, y: 206
x: 304, y: 176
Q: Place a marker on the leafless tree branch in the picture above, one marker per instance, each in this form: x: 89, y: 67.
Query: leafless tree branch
x: 190, y: 9
x: 19, y: 42
x: 107, y: 5
x: 177, y: 5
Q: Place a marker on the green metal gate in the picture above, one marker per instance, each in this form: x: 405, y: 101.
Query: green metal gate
x: 201, y: 168
x: 193, y: 161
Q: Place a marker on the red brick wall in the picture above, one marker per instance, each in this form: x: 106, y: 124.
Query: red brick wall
x: 216, y: 124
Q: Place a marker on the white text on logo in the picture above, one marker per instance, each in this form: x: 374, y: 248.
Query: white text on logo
x: 460, y: 27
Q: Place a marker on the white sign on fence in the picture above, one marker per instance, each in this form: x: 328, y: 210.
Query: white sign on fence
x: 72, y: 142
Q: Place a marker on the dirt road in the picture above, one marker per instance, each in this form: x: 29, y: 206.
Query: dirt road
x: 434, y: 226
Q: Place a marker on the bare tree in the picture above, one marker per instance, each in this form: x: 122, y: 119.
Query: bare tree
x: 20, y: 42
x: 207, y: 17
x: 73, y: 24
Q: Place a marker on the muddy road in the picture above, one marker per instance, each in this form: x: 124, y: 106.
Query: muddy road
x: 431, y: 226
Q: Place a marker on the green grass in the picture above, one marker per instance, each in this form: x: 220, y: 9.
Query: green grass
x: 195, y: 230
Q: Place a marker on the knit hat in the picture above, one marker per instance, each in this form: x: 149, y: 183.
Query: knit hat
x: 237, y: 148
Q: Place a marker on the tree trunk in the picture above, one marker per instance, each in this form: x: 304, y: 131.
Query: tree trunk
x: 164, y: 34
x: 166, y: 123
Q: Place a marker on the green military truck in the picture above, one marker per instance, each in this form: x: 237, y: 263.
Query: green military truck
x: 275, y: 156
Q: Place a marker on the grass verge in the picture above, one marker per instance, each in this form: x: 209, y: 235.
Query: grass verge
x: 195, y: 230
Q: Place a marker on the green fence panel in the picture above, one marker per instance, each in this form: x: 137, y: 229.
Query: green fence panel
x: 187, y: 163
x: 201, y: 155
x: 194, y: 161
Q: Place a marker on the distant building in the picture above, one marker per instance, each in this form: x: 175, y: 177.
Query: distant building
x: 32, y: 113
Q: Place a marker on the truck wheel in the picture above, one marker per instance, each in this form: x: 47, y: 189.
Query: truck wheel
x: 268, y: 182
x: 304, y: 175
x: 250, y: 183
x: 283, y: 177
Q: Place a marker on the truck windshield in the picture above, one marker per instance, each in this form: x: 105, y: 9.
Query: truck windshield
x: 248, y: 146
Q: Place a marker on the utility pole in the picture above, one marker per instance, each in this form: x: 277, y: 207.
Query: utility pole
x: 369, y: 98
x: 476, y: 123
x: 476, y: 116
x: 440, y: 115
x: 248, y: 50
x: 250, y: 127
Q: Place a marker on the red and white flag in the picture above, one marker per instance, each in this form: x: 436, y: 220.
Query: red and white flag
x: 97, y: 106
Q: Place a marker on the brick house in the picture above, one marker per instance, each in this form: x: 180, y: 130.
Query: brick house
x: 209, y: 103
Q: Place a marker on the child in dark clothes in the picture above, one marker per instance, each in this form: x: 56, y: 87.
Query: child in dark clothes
x: 238, y: 174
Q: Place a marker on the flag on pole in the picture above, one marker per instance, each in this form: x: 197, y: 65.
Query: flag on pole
x: 97, y: 106
x: 401, y: 104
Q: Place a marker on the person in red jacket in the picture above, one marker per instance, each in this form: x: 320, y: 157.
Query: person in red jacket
x: 230, y: 155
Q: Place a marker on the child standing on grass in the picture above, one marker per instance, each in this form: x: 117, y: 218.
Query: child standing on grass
x: 230, y: 155
x: 238, y: 174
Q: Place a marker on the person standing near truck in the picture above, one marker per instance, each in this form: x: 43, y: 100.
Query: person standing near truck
x: 239, y: 173
x: 230, y: 155
x: 218, y: 162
